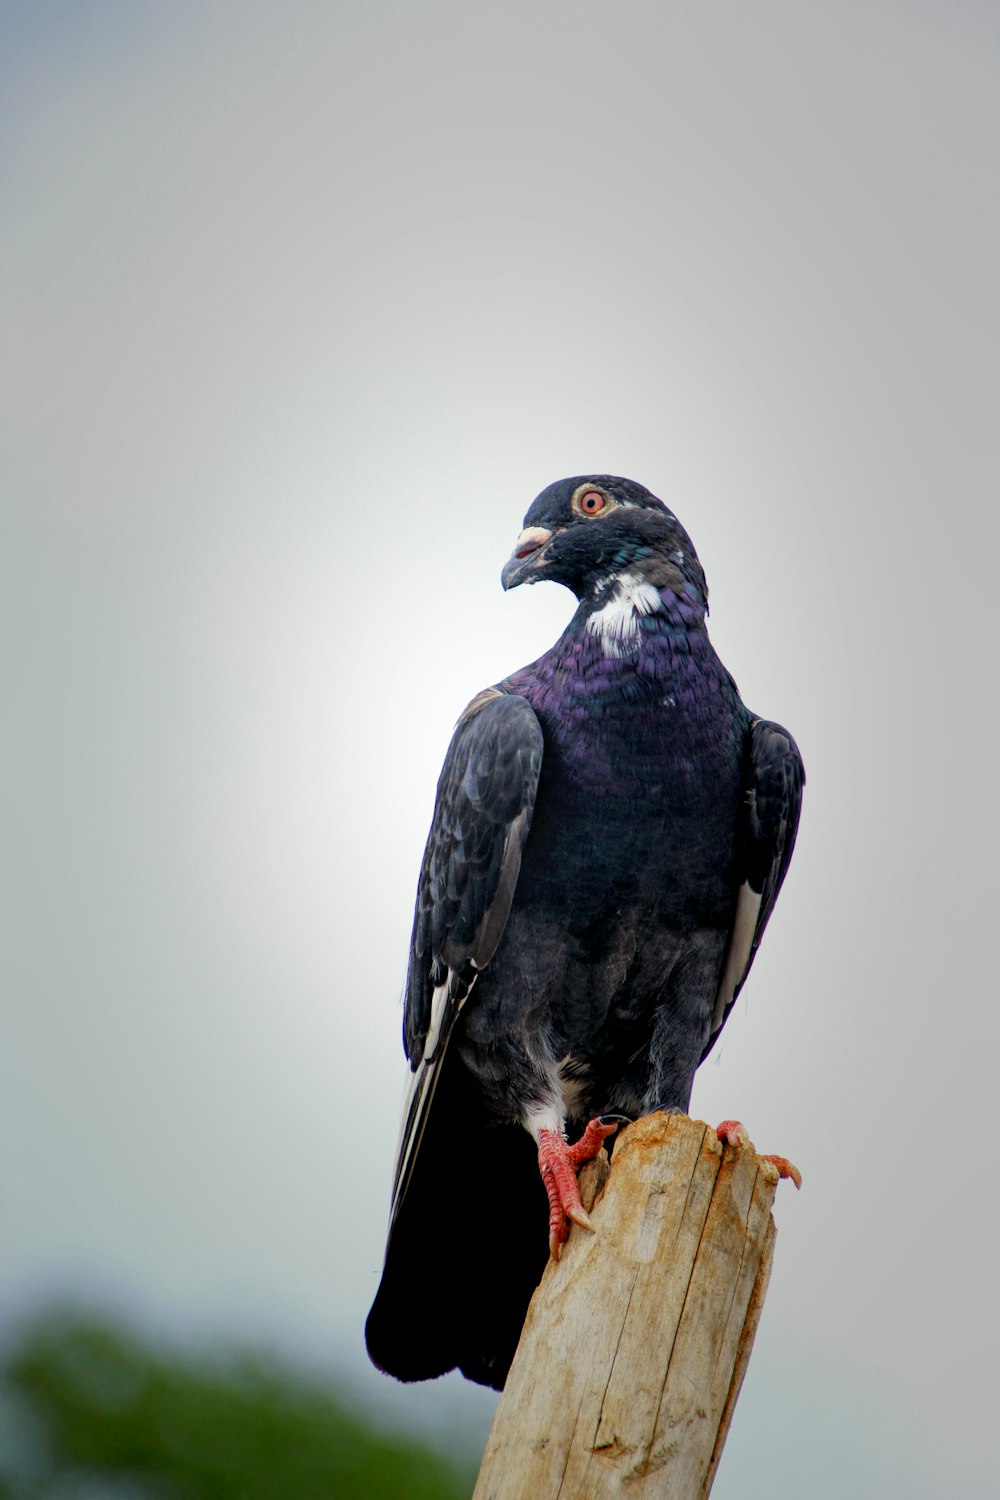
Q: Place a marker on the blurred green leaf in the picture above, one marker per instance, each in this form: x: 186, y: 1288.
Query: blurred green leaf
x: 94, y: 1411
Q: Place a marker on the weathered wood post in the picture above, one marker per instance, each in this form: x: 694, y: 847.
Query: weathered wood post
x: 636, y: 1342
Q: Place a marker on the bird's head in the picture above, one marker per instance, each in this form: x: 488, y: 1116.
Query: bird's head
x: 585, y: 531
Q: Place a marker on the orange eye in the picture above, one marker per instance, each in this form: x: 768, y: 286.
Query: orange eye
x: 592, y: 502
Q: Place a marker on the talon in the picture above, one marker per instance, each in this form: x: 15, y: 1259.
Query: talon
x: 732, y: 1133
x: 591, y: 1141
x: 785, y: 1168
x: 558, y: 1163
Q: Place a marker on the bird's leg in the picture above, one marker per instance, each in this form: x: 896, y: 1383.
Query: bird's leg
x: 558, y: 1163
x: 734, y: 1133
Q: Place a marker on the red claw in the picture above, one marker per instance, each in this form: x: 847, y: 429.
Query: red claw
x: 558, y: 1162
x: 734, y: 1133
x: 785, y: 1168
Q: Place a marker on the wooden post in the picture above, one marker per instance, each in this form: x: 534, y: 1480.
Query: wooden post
x: 637, y: 1340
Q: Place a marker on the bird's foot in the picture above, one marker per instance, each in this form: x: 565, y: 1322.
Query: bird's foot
x: 558, y: 1163
x: 734, y: 1133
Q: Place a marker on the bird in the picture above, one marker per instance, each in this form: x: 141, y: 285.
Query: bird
x: 611, y: 829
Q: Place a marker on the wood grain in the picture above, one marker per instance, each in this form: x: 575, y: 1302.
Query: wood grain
x: 637, y: 1341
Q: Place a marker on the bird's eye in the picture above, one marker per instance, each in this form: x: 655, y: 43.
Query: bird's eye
x: 591, y: 502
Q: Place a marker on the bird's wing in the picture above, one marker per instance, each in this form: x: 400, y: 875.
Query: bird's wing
x: 482, y: 815
x: 772, y: 797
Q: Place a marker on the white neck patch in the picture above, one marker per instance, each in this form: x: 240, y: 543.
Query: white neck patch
x: 616, y: 624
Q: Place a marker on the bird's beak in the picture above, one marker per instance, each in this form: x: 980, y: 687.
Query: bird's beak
x: 521, y: 561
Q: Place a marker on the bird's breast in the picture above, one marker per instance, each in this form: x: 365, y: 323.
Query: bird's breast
x: 639, y: 796
x: 667, y: 723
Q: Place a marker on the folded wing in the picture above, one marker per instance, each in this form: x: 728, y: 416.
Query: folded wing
x: 772, y: 798
x: 482, y: 816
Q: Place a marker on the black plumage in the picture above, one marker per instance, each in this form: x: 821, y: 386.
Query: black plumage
x: 611, y: 830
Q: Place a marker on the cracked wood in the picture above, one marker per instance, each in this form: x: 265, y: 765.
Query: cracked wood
x: 637, y: 1341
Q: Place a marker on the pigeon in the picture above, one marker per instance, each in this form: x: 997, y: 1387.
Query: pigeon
x: 611, y: 830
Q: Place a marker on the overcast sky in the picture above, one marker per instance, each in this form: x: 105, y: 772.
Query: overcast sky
x: 302, y: 306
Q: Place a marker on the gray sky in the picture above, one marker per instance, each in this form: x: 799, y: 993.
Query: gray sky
x: 303, y: 305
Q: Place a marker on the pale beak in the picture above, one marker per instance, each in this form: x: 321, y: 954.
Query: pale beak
x: 530, y: 542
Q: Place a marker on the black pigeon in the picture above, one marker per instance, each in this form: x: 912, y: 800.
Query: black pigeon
x: 611, y: 830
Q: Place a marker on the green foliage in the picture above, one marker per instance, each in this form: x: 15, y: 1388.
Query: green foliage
x: 100, y: 1413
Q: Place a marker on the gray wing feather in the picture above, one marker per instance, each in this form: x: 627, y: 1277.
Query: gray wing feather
x: 772, y: 799
x: 482, y: 817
